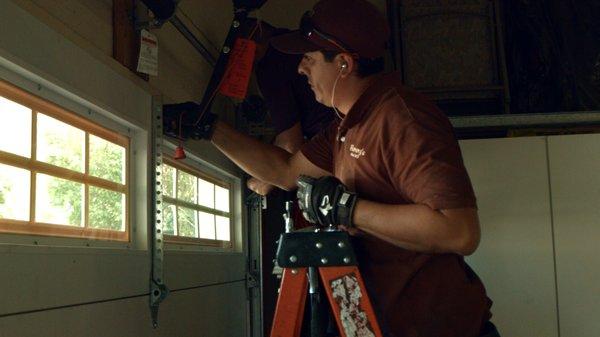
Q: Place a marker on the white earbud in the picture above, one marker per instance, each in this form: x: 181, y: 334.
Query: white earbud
x: 344, y: 66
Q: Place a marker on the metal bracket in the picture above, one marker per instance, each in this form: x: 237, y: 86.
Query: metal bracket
x: 254, y: 265
x: 263, y: 202
x: 142, y: 18
x: 158, y: 290
x: 315, y: 249
x: 161, y: 9
x: 252, y: 282
x: 253, y: 200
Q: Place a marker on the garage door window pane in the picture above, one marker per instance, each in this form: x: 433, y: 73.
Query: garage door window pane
x: 169, y: 220
x: 14, y: 193
x: 60, y: 144
x: 187, y: 219
x: 107, y: 160
x: 15, y: 137
x: 223, y: 228
x: 207, y: 225
x: 107, y: 209
x: 59, y: 201
x: 186, y: 187
x: 206, y: 193
x: 221, y: 199
x: 168, y: 181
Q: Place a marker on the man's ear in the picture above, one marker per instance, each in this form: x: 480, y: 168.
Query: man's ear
x: 347, y: 64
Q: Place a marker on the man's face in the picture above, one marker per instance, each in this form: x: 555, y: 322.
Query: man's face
x: 321, y: 75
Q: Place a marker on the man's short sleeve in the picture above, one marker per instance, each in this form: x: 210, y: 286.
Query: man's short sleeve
x: 319, y: 150
x: 426, y: 167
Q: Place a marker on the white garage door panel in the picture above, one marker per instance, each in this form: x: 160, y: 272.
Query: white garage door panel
x: 515, y: 257
x: 215, y: 311
x: 190, y: 270
x: 218, y: 311
x: 48, y: 277
x: 575, y: 179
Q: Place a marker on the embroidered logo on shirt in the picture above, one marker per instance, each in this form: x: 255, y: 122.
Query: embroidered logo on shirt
x: 356, y: 152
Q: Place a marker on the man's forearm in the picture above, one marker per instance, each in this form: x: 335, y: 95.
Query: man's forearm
x: 264, y: 161
x: 420, y: 228
x: 291, y: 139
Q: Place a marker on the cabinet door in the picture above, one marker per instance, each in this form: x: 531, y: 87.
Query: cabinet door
x: 515, y: 256
x: 575, y: 181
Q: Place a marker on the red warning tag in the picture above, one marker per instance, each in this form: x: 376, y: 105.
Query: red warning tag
x: 237, y: 74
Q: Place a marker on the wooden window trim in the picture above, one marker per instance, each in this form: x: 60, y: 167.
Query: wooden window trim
x: 40, y: 105
x: 54, y: 230
x: 184, y: 240
x: 195, y: 207
x: 59, y: 172
x: 196, y: 172
x: 45, y: 107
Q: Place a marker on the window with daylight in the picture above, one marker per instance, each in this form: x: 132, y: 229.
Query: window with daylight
x: 60, y: 174
x: 196, y: 206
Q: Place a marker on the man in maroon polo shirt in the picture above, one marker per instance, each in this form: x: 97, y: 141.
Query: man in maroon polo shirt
x: 389, y: 171
x: 295, y: 114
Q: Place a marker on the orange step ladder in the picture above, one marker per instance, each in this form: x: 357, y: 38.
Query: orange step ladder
x: 304, y: 256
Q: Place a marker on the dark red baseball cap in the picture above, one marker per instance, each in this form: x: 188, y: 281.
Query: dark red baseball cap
x: 353, y: 26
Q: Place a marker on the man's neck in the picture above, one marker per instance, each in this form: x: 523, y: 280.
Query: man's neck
x: 351, y: 92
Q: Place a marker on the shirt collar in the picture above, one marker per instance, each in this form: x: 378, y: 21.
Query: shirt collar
x: 367, y: 99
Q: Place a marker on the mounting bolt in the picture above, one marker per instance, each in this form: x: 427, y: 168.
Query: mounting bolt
x: 323, y: 260
x: 319, y: 245
x: 226, y: 50
x: 294, y: 271
x: 346, y: 260
x: 236, y: 23
x: 293, y: 258
x: 341, y: 244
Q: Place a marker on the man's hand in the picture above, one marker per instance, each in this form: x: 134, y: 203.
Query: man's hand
x: 326, y: 201
x: 181, y: 121
x: 258, y: 186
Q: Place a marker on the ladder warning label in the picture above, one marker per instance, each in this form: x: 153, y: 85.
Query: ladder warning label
x: 347, y: 294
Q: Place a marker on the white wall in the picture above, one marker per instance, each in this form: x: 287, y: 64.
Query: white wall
x: 538, y: 202
x: 515, y: 259
x: 575, y: 180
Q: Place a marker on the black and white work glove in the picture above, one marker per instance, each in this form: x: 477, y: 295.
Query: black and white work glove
x: 326, y: 201
x: 181, y: 121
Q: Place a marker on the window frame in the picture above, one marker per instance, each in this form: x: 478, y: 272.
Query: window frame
x: 176, y: 239
x: 48, y: 108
